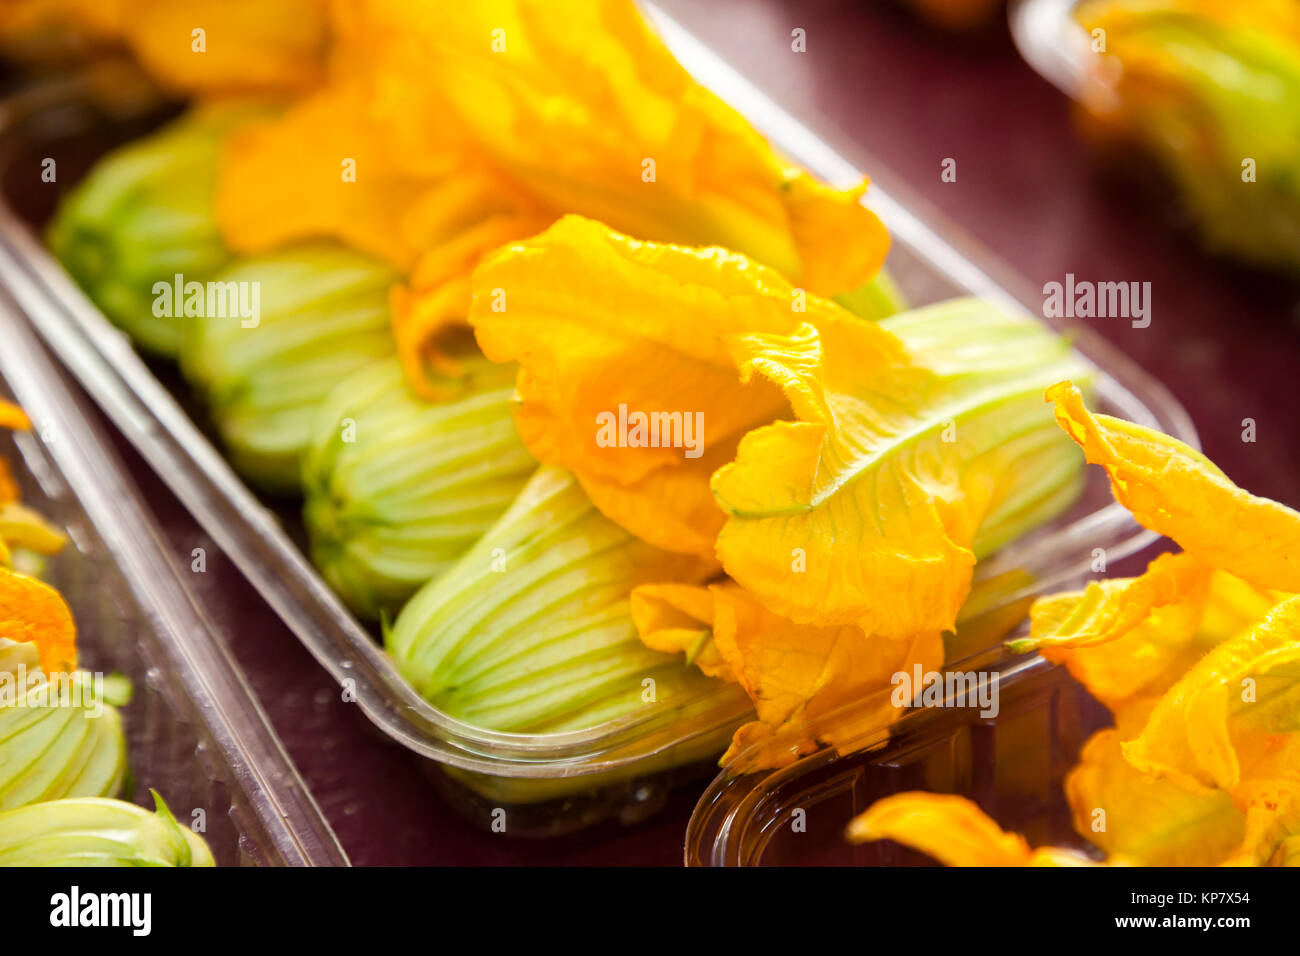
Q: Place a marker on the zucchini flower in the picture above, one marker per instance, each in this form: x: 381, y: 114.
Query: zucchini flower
x: 531, y: 631
x: 397, y: 488
x: 142, y: 217
x: 848, y: 474
x: 450, y: 117
x: 89, y: 831
x: 59, y: 734
x: 283, y: 181
x: 1209, y: 90
x: 1197, y: 661
x: 712, y: 333
x: 306, y: 317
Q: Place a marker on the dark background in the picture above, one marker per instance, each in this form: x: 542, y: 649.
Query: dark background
x: 897, y: 98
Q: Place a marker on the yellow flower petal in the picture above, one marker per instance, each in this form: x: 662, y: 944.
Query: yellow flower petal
x: 1198, y: 659
x: 678, y: 619
x: 614, y: 336
x: 869, y: 512
x: 1129, y: 639
x: 21, y: 527
x: 794, y: 673
x: 1272, y: 809
x: 1178, y: 492
x: 645, y: 148
x: 13, y: 417
x: 1137, y: 663
x: 1219, y: 713
x: 33, y: 612
x: 29, y: 22
x: 874, y: 507
x: 1288, y: 853
x: 952, y: 830
x: 244, y: 45
x: 318, y: 171
x: 9, y: 490
x: 1145, y: 820
x: 1108, y: 609
x: 797, y: 673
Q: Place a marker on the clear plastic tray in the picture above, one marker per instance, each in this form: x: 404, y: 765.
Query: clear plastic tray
x: 1013, y: 765
x: 1052, y: 42
x: 194, y: 731
x: 503, y: 768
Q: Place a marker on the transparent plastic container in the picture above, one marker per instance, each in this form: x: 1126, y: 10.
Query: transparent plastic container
x: 194, y: 732
x: 1053, y: 42
x: 550, y: 782
x: 1013, y: 765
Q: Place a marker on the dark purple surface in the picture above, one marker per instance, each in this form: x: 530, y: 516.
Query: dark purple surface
x: 898, y: 99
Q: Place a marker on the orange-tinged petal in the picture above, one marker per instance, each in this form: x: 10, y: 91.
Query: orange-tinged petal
x: 438, y: 297
x: 646, y: 149
x: 1145, y: 820
x: 1108, y: 609
x: 1128, y: 640
x: 318, y: 171
x: 245, y: 45
x: 1218, y: 713
x: 22, y: 527
x: 13, y: 417
x: 875, y: 506
x: 1272, y: 809
x: 673, y: 505
x: 33, y: 612
x: 795, y: 674
x: 29, y: 20
x: 952, y: 830
x: 1288, y: 853
x: 1176, y: 491
x: 678, y: 619
x: 9, y: 490
x: 848, y: 701
x: 624, y: 377
x: 820, y: 217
